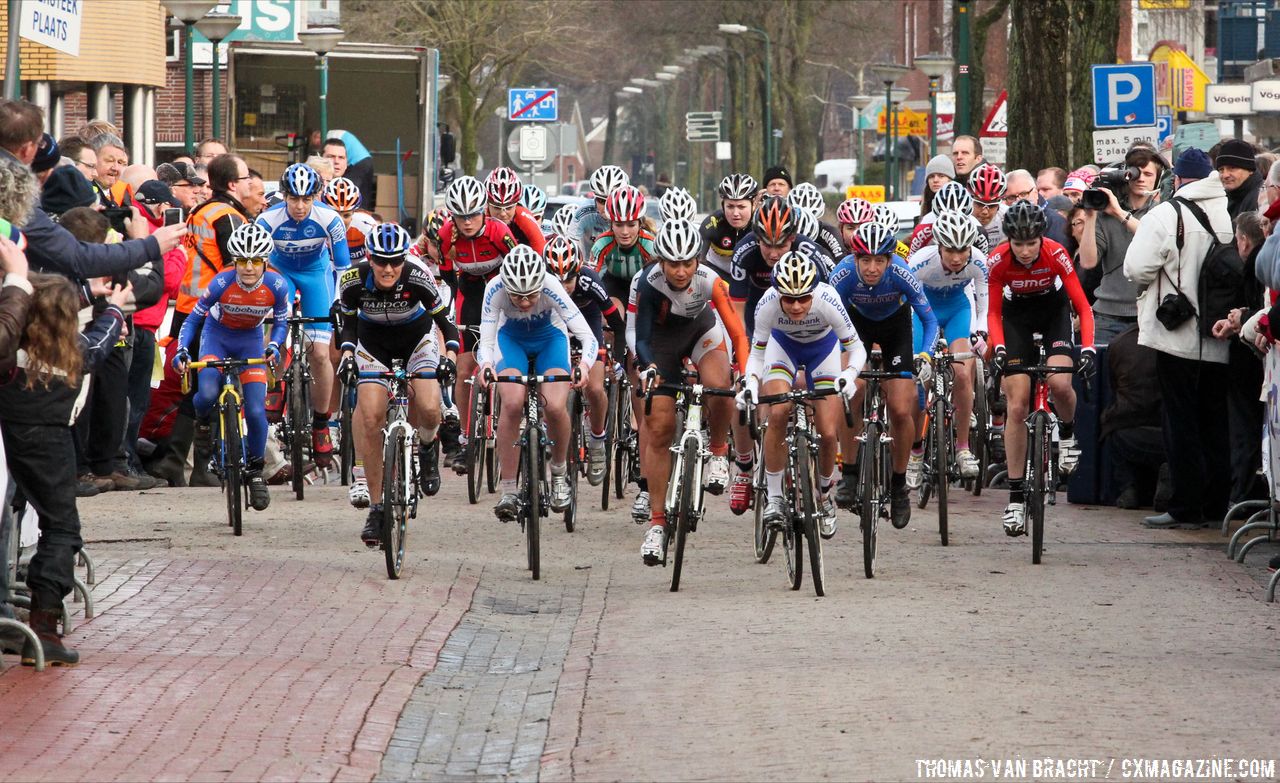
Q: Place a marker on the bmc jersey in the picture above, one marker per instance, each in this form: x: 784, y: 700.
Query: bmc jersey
x: 477, y: 256
x: 361, y: 224
x: 413, y: 296
x: 882, y: 300
x: 233, y: 306
x: 659, y: 305
x: 1010, y: 277
x: 554, y: 303
x: 608, y: 257
x: 307, y: 244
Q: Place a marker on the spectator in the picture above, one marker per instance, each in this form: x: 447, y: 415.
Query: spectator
x: 937, y: 173
x: 78, y: 151
x: 207, y: 150
x: 1089, y: 278
x: 256, y: 199
x: 1075, y: 185
x: 112, y: 160
x: 65, y: 190
x: 325, y: 167
x: 966, y: 154
x: 1189, y: 367
x: 1060, y: 204
x: 1049, y: 182
x: 777, y: 181
x: 1021, y: 186
x: 1106, y: 241
x: 203, y: 192
x: 187, y: 159
x: 357, y: 166
x: 95, y: 128
x: 1238, y: 168
x: 1131, y: 424
x: 183, y: 183
x: 48, y: 156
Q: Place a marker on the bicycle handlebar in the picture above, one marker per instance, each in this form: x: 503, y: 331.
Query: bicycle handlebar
x: 525, y: 380
x: 220, y: 364
x: 708, y: 391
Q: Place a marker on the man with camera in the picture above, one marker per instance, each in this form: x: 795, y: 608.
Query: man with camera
x: 1113, y: 206
x: 1190, y: 368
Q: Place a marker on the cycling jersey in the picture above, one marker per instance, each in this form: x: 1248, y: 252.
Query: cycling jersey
x: 230, y: 306
x: 306, y: 245
x: 780, y: 346
x: 478, y: 256
x: 361, y: 224
x: 751, y: 275
x: 922, y: 236
x: 681, y: 314
x: 587, y: 226
x: 524, y: 227
x: 510, y: 337
x: 611, y: 258
x: 828, y: 239
x: 944, y: 286
x: 596, y: 305
x: 1023, y: 283
x: 896, y: 288
x: 721, y: 238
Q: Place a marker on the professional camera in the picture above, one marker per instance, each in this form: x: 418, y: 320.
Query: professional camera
x: 1114, y: 180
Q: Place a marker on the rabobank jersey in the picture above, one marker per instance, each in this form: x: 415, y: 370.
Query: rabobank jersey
x: 308, y: 244
x: 233, y: 306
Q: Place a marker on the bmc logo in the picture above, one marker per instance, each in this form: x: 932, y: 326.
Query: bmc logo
x: 1018, y: 283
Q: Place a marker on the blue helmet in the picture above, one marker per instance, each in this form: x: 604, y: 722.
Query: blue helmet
x: 301, y: 180
x: 388, y: 240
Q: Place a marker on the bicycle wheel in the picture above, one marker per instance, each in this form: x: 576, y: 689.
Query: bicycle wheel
x: 1037, y: 481
x: 299, y: 427
x: 233, y: 466
x: 928, y: 468
x: 765, y: 537
x: 869, y: 505
x: 492, y: 460
x: 477, y: 445
x: 684, y: 506
x: 346, y: 436
x: 610, y: 422
x: 808, y: 501
x: 574, y: 463
x: 533, y: 500
x: 940, y: 446
x: 625, y: 448
x: 981, y: 430
x: 395, y: 501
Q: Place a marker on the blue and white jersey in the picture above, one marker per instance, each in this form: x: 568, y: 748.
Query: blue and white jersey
x: 941, y: 285
x: 308, y: 244
x: 587, y: 226
x: 554, y: 309
x: 877, y: 302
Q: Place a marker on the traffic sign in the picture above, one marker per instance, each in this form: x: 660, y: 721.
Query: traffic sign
x: 1124, y: 95
x: 1228, y: 99
x: 533, y: 143
x: 532, y: 104
x: 702, y: 126
x: 702, y: 116
x: 997, y: 123
x: 1164, y: 124
x: 1113, y: 144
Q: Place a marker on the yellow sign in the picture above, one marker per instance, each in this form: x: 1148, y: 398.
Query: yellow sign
x: 1179, y: 81
x: 1163, y: 5
x: 908, y: 122
x: 872, y: 193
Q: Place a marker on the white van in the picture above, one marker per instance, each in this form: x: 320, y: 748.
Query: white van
x: 833, y: 175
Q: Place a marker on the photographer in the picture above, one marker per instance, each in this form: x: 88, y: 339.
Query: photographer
x: 1190, y: 369
x: 1114, y: 205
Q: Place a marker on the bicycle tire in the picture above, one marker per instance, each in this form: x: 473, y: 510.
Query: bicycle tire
x: 626, y: 445
x: 492, y: 457
x: 941, y: 459
x: 1036, y: 486
x: 610, y: 421
x: 346, y: 443
x: 765, y: 538
x: 232, y: 467
x: 476, y: 446
x: 298, y: 425
x: 395, y: 505
x: 978, y: 435
x: 533, y: 501
x: 869, y: 503
x: 684, y: 506
x: 808, y: 496
x: 574, y: 463
x: 792, y: 536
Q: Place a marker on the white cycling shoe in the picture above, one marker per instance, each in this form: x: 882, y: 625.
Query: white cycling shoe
x: 1015, y: 520
x: 915, y: 469
x: 358, y: 494
x: 968, y: 463
x: 651, y: 549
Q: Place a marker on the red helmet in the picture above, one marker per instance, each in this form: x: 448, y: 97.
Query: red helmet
x: 855, y: 212
x: 987, y: 183
x: 503, y: 187
x: 625, y: 204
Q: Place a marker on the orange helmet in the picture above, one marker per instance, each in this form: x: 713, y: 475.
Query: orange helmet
x: 562, y: 258
x: 341, y: 194
x: 773, y: 223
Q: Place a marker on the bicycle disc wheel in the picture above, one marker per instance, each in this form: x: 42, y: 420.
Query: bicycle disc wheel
x: 869, y: 502
x: 533, y: 501
x: 1037, y: 484
x: 299, y: 427
x: 765, y: 537
x: 233, y: 465
x: 941, y: 448
x: 979, y: 433
x: 573, y: 465
x: 684, y: 507
x: 610, y: 422
x: 395, y: 504
x: 346, y: 443
x: 476, y: 446
x: 808, y: 499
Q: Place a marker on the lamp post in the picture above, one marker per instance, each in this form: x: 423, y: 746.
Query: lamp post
x: 888, y: 73
x: 897, y: 96
x: 859, y: 104
x: 321, y: 41
x: 189, y: 12
x: 216, y: 27
x: 740, y: 29
x: 934, y: 66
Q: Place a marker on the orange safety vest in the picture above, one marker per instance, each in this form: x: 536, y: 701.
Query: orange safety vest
x: 204, y: 259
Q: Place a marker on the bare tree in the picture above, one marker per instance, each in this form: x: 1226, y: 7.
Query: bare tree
x: 992, y: 11
x: 1037, y: 94
x: 1094, y: 37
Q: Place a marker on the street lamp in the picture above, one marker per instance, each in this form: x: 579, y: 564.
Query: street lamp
x: 216, y: 27
x: 188, y: 12
x: 321, y: 41
x: 934, y: 66
x: 740, y: 29
x: 632, y: 89
x: 888, y: 73
x: 859, y: 104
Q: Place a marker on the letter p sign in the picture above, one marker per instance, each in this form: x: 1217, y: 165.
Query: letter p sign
x: 1124, y: 95
x: 1123, y: 89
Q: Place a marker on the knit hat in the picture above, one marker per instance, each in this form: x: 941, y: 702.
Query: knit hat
x: 47, y: 154
x: 777, y: 172
x: 940, y: 164
x: 65, y: 190
x: 1238, y: 153
x: 1193, y: 164
x: 1075, y: 183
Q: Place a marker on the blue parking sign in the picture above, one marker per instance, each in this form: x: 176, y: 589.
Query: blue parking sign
x: 532, y: 104
x: 1124, y: 95
x: 1164, y: 126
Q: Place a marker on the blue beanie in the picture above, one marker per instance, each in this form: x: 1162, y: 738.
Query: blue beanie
x: 1193, y: 163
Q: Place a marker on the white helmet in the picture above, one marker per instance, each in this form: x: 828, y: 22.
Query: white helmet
x: 607, y: 179
x: 562, y: 219
x: 523, y: 271
x: 954, y: 230
x: 250, y: 240
x: 795, y: 274
x: 953, y: 197
x: 886, y: 217
x: 466, y: 196
x: 534, y: 199
x: 678, y: 240
x: 806, y: 224
x: 806, y: 196
x: 738, y: 187
x: 677, y: 204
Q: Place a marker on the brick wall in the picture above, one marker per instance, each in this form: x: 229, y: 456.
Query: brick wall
x: 121, y: 42
x: 171, y: 108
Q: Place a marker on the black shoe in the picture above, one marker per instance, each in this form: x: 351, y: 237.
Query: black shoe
x: 1128, y: 498
x: 259, y: 495
x: 1167, y: 521
x: 1164, y: 490
x: 847, y: 491
x: 1273, y: 564
x: 900, y: 508
x: 508, y: 508
x: 45, y: 624
x: 429, y: 466
x: 460, y: 462
x: 86, y: 489
x: 372, y: 533
x: 11, y: 639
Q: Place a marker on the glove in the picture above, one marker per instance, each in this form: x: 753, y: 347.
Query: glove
x: 846, y: 382
x: 180, y: 361
x: 979, y: 340
x: 1088, y: 365
x: 347, y: 366
x: 648, y: 377
x: 272, y: 353
x: 999, y: 360
x: 924, y: 368
x: 446, y: 371
x: 750, y: 393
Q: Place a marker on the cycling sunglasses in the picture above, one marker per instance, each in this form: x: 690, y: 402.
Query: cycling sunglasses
x: 797, y: 299
x: 251, y: 261
x: 524, y: 297
x: 382, y: 261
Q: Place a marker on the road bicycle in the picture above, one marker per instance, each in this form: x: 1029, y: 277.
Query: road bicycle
x: 875, y: 471
x: 939, y: 469
x: 229, y: 461
x: 295, y: 430
x: 625, y: 465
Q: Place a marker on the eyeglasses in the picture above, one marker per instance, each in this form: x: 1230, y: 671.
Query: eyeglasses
x: 985, y: 205
x: 182, y: 185
x: 797, y: 299
x: 524, y: 297
x: 1077, y: 223
x: 1011, y: 198
x: 385, y: 261
x: 251, y: 261
x: 242, y: 179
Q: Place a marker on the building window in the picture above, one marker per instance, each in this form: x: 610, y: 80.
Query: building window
x: 173, y: 45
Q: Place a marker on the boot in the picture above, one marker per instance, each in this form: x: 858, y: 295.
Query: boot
x: 201, y: 476
x: 172, y: 467
x: 448, y: 437
x: 45, y: 624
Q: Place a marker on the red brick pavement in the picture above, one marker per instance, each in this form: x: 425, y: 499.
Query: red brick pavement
x: 232, y: 670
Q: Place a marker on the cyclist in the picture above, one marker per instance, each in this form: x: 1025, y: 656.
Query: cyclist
x: 885, y: 216
x: 800, y: 322
x: 518, y: 329
x: 389, y: 305
x: 504, y: 191
x: 584, y: 288
x: 235, y: 304
x: 880, y: 293
x: 342, y: 196
x: 774, y: 234
x: 677, y: 204
x: 987, y: 185
x: 534, y: 199
x: 591, y: 220
x: 562, y: 222
x: 724, y: 228
x: 310, y: 243
x: 951, y: 197
x: 1030, y: 266
x: 675, y: 301
x: 807, y: 197
x: 850, y: 214
x: 620, y: 252
x: 952, y: 270
x: 427, y: 250
x: 473, y: 246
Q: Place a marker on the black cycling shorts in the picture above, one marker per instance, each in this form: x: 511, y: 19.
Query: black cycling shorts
x: 616, y: 287
x: 1050, y: 315
x: 471, y: 294
x: 892, y: 335
x: 672, y: 346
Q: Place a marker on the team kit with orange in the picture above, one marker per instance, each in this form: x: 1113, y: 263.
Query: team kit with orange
x: 535, y: 348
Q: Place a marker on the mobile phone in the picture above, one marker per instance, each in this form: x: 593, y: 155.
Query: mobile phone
x: 173, y: 216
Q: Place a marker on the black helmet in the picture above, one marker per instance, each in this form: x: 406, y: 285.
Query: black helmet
x: 1023, y: 221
